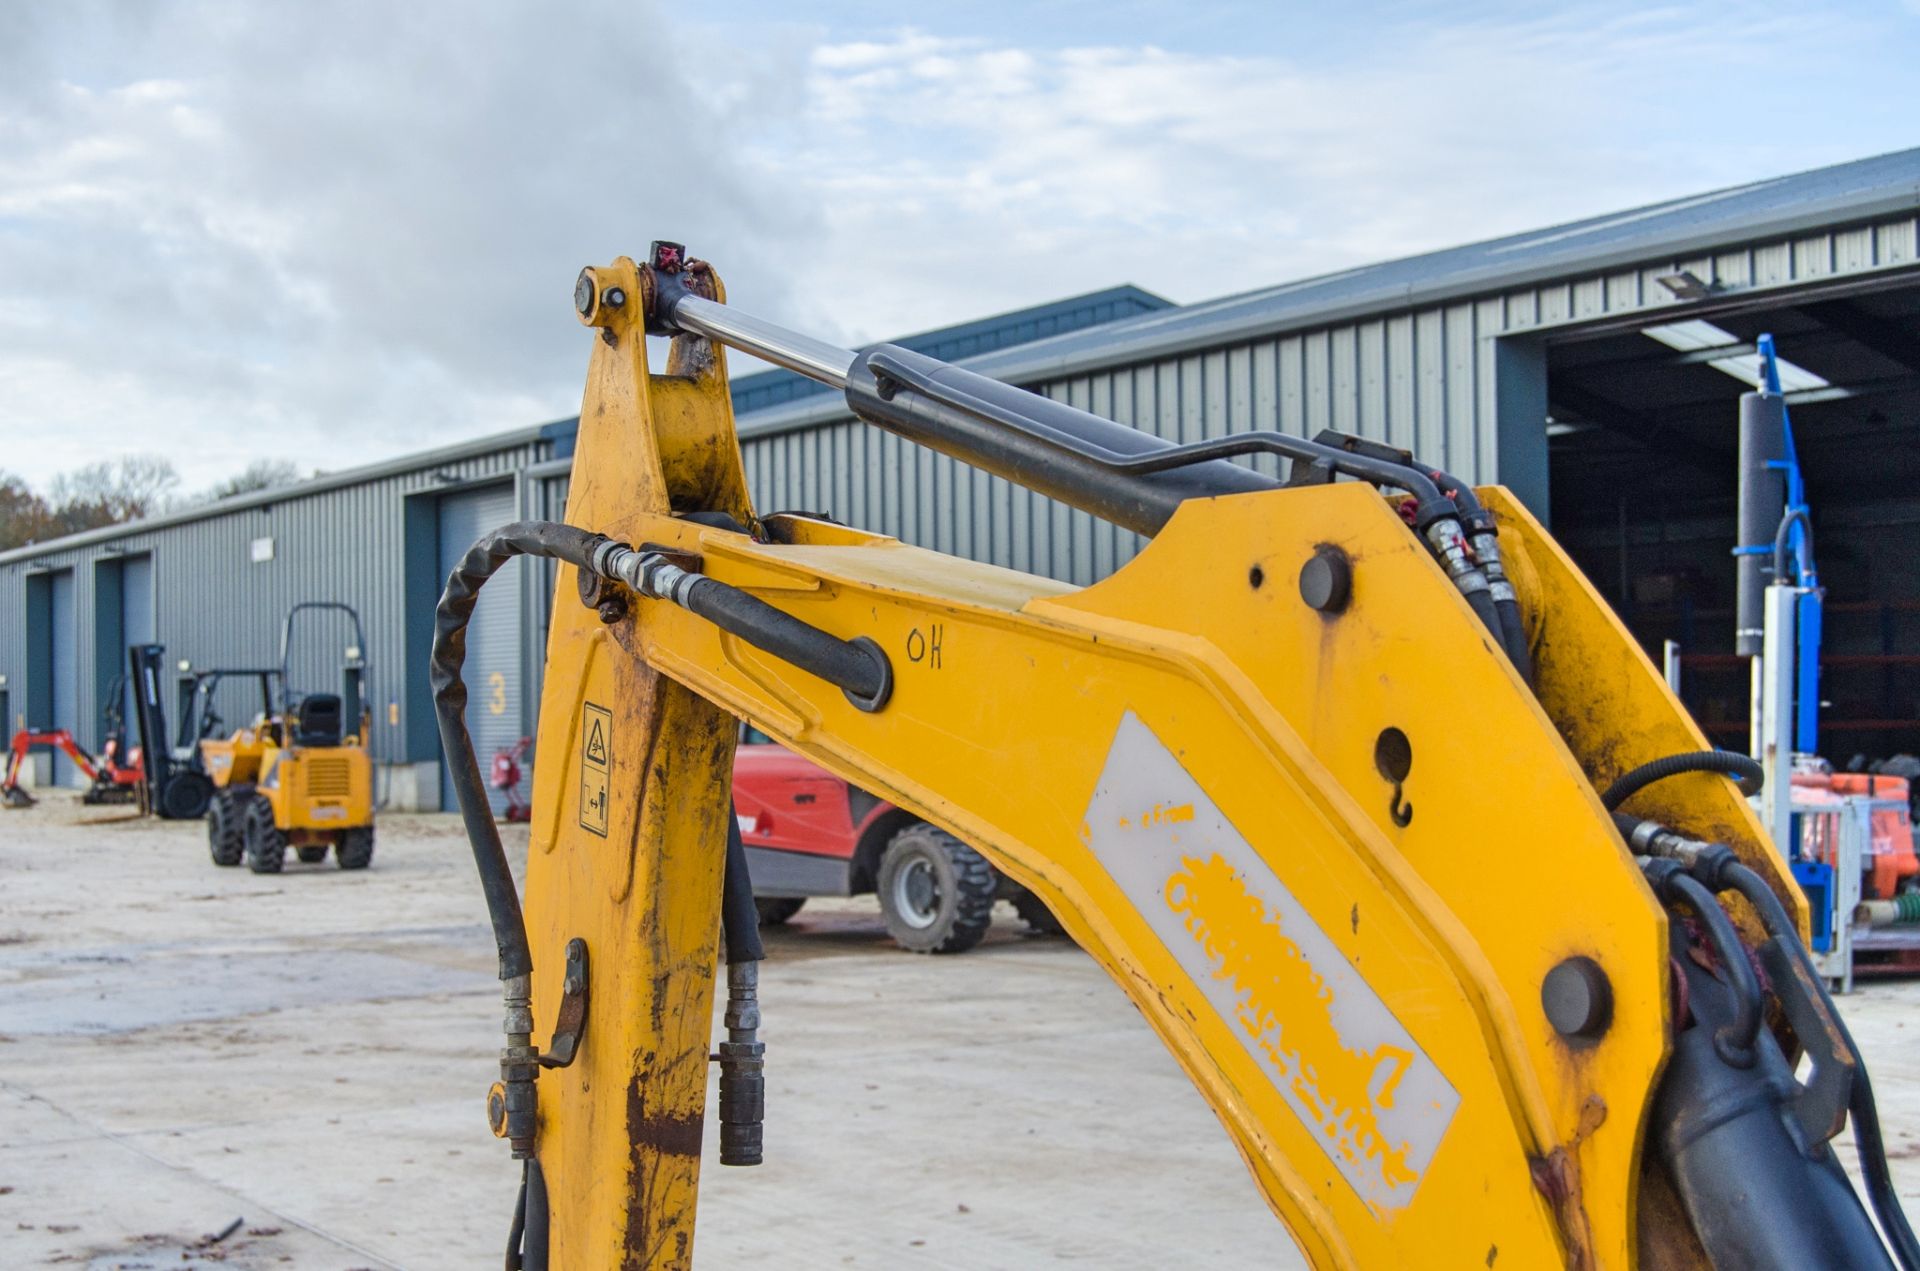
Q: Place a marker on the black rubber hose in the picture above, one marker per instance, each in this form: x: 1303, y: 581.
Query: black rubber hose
x: 516, y: 1233
x: 538, y: 1219
x: 1481, y: 602
x: 1734, y: 1041
x: 1746, y: 773
x: 1867, y: 1137
x: 857, y: 667
x: 739, y: 917
x: 1513, y: 637
x: 482, y: 561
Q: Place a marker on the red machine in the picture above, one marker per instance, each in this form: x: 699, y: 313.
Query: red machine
x: 1894, y: 865
x: 505, y: 778
x: 808, y: 833
x: 112, y: 782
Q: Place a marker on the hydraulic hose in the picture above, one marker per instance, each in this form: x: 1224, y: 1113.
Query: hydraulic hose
x: 742, y: 1057
x: 739, y: 918
x: 1717, y: 869
x: 519, y: 1057
x: 1735, y: 1040
x: 516, y: 1234
x: 859, y: 667
x: 1746, y: 773
x: 1484, y: 534
x: 1868, y: 1139
x: 484, y: 559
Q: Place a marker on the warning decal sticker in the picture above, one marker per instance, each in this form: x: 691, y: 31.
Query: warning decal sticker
x: 596, y: 737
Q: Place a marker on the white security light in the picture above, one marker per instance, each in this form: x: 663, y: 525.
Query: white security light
x: 1685, y: 285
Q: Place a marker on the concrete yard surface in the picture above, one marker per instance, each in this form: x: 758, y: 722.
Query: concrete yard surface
x: 183, y: 1046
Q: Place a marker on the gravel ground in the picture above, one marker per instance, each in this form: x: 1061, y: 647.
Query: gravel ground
x: 307, y: 1054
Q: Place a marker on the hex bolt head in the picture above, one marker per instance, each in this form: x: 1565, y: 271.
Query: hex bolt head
x: 1578, y: 999
x: 1326, y: 580
x: 583, y: 294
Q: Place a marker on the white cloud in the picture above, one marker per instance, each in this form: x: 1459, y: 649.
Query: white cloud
x: 336, y: 233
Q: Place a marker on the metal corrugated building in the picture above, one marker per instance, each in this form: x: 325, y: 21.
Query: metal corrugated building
x: 1524, y: 360
x: 224, y: 576
x: 1445, y: 354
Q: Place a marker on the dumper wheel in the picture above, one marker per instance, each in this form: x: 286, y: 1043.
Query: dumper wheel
x: 775, y: 910
x: 354, y: 850
x: 1034, y: 912
x: 312, y: 854
x: 227, y: 827
x: 266, y: 842
x: 935, y: 892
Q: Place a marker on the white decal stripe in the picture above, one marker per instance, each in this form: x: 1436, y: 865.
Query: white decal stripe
x: 1377, y: 1104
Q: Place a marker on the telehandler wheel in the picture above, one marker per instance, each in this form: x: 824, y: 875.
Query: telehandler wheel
x: 312, y: 854
x: 775, y: 910
x: 1034, y: 912
x: 935, y: 892
x: 354, y: 848
x: 266, y: 842
x: 227, y: 827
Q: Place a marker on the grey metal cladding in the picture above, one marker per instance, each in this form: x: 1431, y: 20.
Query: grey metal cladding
x: 215, y: 606
x: 1402, y: 351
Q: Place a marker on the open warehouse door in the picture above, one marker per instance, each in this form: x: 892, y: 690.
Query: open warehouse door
x: 1644, y: 466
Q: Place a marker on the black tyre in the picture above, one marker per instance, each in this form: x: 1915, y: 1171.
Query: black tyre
x: 312, y: 854
x: 227, y: 827
x: 266, y: 842
x: 935, y: 892
x: 1034, y: 912
x: 775, y: 910
x: 354, y: 849
x: 186, y: 796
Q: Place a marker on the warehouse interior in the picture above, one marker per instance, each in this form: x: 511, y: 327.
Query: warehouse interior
x: 1642, y: 443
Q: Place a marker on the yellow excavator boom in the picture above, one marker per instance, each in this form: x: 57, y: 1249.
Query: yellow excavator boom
x: 1317, y: 777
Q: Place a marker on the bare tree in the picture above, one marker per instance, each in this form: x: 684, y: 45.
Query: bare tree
x: 111, y: 492
x: 261, y: 474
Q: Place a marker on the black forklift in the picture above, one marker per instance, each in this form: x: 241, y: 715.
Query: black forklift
x: 177, y: 785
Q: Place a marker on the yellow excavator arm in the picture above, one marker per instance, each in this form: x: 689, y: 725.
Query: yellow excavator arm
x: 1317, y: 777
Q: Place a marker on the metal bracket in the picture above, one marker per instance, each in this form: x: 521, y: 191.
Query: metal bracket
x: 572, y: 1020
x: 1821, y: 1105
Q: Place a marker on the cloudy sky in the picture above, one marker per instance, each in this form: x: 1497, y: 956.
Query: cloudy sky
x: 333, y: 233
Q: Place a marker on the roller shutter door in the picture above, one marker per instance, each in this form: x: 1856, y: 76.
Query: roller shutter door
x: 66, y: 673
x: 492, y: 672
x: 136, y: 627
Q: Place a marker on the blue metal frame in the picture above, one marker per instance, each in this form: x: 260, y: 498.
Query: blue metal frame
x: 1816, y: 880
x: 1806, y: 696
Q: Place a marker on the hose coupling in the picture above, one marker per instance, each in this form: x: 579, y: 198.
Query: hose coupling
x: 1650, y: 838
x: 519, y: 1065
x: 649, y: 574
x: 1449, y: 543
x: 743, y: 1083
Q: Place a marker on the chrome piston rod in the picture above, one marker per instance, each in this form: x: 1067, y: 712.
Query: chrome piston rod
x: 815, y: 359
